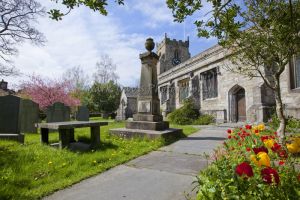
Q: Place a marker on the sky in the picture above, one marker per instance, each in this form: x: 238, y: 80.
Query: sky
x: 84, y: 35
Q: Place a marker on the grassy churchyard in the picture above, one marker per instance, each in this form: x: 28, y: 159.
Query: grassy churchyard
x: 33, y: 170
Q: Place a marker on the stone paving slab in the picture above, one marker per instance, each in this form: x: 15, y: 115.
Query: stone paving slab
x: 171, y: 162
x: 128, y: 183
x: 199, y: 143
x: 166, y: 174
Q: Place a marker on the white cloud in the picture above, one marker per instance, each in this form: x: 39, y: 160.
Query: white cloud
x: 156, y: 12
x: 80, y: 39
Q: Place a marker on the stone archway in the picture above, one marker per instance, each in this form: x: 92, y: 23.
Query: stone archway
x: 237, y: 104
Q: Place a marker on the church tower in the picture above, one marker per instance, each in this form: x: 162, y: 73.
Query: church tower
x: 171, y: 53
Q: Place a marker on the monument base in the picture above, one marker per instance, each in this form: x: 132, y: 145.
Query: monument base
x: 151, y: 134
x: 147, y: 117
x: 154, y: 126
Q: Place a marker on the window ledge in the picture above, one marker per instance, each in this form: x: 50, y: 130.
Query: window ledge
x: 295, y: 90
x: 210, y: 99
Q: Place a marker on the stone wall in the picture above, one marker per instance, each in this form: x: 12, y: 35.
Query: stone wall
x: 259, y: 99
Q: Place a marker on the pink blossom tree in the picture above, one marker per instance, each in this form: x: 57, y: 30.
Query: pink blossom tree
x: 45, y: 91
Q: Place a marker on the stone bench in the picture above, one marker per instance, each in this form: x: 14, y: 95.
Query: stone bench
x: 66, y: 131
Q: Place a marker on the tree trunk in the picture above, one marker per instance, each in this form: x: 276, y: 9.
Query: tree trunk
x: 280, y: 113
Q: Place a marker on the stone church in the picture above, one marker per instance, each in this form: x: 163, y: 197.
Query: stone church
x: 228, y: 96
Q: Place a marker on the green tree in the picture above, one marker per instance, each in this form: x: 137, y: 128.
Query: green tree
x: 105, y: 97
x: 95, y: 5
x: 262, y: 36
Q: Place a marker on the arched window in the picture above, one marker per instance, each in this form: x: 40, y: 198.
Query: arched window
x: 176, y: 54
x: 209, y: 83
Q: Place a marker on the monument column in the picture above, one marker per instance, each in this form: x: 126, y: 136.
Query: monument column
x: 148, y: 121
x: 148, y: 100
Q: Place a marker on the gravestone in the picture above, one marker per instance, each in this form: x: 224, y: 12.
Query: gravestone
x: 10, y: 118
x: 29, y: 116
x: 82, y: 113
x: 58, y: 112
x: 148, y: 122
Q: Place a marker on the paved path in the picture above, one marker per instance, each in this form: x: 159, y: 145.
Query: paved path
x: 165, y: 174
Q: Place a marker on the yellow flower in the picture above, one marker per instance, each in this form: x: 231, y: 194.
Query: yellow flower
x: 297, y: 140
x: 261, y: 127
x: 261, y: 159
x: 269, y: 143
x: 293, y: 147
x: 94, y: 161
x: 254, y: 160
x: 50, y: 162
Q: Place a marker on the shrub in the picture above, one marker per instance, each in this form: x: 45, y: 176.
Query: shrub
x: 292, y: 126
x: 184, y: 115
x: 204, y: 120
x: 251, y: 164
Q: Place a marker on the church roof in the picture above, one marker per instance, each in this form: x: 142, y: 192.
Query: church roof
x: 131, y: 91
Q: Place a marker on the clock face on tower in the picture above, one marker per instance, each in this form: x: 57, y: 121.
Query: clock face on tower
x: 176, y: 61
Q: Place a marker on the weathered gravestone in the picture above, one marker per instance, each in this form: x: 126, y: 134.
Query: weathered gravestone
x: 58, y: 112
x: 29, y: 116
x: 10, y: 118
x: 82, y: 114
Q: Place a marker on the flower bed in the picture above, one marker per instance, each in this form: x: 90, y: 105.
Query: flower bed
x: 251, y: 164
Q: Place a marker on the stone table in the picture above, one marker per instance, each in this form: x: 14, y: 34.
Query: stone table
x: 66, y: 131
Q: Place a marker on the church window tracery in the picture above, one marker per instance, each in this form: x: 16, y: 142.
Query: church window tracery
x: 183, y: 89
x: 209, y: 84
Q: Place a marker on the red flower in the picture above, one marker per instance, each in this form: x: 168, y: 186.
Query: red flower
x: 270, y: 175
x: 248, y: 149
x: 281, y: 162
x: 275, y: 133
x: 260, y: 149
x: 282, y: 153
x: 249, y: 127
x: 229, y: 136
x: 276, y: 147
x: 229, y: 131
x: 244, y: 169
x: 265, y: 137
x: 256, y: 131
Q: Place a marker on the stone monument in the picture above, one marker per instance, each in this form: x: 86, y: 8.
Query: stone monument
x: 58, y: 112
x: 82, y: 113
x: 148, y: 121
x: 10, y: 118
x: 29, y: 116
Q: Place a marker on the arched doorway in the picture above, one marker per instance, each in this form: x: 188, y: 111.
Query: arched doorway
x: 237, y: 104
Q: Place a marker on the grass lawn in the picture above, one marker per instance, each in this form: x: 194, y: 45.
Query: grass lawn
x: 32, y: 170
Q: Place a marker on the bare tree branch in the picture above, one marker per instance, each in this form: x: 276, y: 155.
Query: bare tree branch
x: 16, y: 19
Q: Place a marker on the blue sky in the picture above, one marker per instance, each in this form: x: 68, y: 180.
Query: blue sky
x: 83, y: 36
